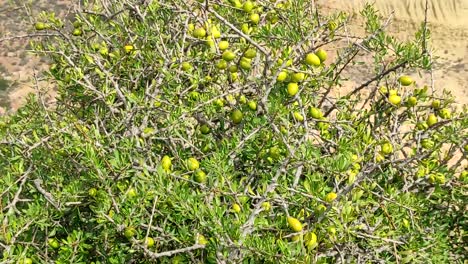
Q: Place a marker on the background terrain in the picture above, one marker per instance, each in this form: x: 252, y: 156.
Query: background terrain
x: 448, y: 24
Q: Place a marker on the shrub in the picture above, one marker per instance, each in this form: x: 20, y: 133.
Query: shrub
x: 162, y: 147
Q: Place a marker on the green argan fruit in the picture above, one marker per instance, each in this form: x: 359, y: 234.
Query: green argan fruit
x: 129, y: 232
x: 200, y: 176
x: 312, y: 59
x: 77, y: 32
x: 205, y: 129
x: 386, y: 148
x: 405, y: 80
x: 199, y: 32
x: 40, y: 26
x: 228, y: 55
x: 186, y: 66
x: 315, y: 113
x: 237, y: 116
x: 193, y: 164
x: 293, y: 88
x: 223, y: 45
x: 221, y: 65
x: 282, y: 76
x: 248, y: 6
x: 394, y: 99
x: 431, y: 120
x: 166, y: 163
x: 254, y: 18
x: 322, y: 54
x: 411, y: 101
x: 250, y: 53
x: 297, y: 77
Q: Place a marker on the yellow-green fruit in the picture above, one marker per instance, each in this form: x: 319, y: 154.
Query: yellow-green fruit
x: 435, y: 104
x: 315, y: 113
x: 282, y: 76
x: 405, y: 80
x: 386, y: 148
x: 294, y: 224
x: 422, y: 126
x: 128, y: 48
x: 40, y: 26
x: 95, y: 46
x: 274, y: 152
x: 245, y: 64
x: 222, y: 64
x: 129, y: 232
x: 250, y: 53
x: 228, y: 55
x: 266, y: 206
x: 427, y: 143
x: 297, y: 77
x: 330, y: 197
x: 27, y: 261
x: 104, y: 51
x: 166, y: 163
x: 77, y: 32
x: 245, y: 28
x: 248, y: 6
x: 310, y: 240
x: 412, y: 101
x: 223, y: 45
x: 322, y: 54
x: 199, y: 32
x: 131, y: 193
x: 191, y: 27
x: 193, y: 164
x: 234, y: 76
x: 383, y: 90
x: 233, y: 68
x: 210, y: 42
x: 215, y: 32
x: 205, y: 129
x: 431, y: 120
x: 298, y: 116
x: 200, y: 176
x: 312, y: 59
x: 255, y: 18
x: 237, y: 4
x: 149, y: 242
x: 92, y: 192
x: 186, y: 66
x: 296, y: 238
x: 53, y: 243
x: 394, y: 99
x: 252, y: 105
x: 194, y: 95
x: 77, y: 24
x: 202, y: 240
x: 445, y: 113
x: 392, y: 92
x: 293, y: 88
x: 379, y: 157
x: 236, y: 116
x: 236, y: 208
x: 242, y: 99
x: 219, y: 102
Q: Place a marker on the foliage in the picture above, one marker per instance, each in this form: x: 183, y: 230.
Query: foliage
x: 163, y: 147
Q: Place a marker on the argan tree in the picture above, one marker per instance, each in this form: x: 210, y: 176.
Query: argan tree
x: 222, y: 132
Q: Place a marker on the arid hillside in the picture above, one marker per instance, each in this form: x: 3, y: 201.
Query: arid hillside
x: 449, y: 27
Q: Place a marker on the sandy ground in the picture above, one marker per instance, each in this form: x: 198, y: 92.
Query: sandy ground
x: 448, y: 23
